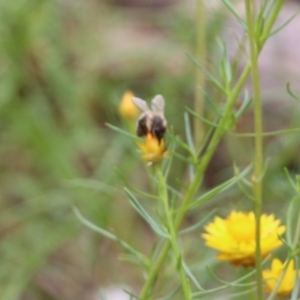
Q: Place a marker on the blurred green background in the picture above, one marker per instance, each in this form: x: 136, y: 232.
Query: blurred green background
x: 64, y: 66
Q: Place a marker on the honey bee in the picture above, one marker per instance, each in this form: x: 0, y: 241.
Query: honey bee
x: 151, y: 120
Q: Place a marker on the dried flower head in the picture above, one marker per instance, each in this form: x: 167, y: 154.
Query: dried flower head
x: 234, y: 237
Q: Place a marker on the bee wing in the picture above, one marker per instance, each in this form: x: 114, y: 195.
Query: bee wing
x: 140, y: 103
x: 158, y: 104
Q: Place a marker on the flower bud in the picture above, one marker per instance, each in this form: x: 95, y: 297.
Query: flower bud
x: 127, y: 110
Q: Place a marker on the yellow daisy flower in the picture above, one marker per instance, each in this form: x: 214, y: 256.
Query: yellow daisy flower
x: 234, y: 237
x: 271, y: 276
x: 153, y: 150
x: 127, y: 109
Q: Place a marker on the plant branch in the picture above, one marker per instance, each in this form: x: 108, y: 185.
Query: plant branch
x: 205, y: 159
x: 172, y: 231
x: 199, y: 76
x: 258, y: 159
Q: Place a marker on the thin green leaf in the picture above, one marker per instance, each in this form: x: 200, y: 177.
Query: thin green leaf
x: 198, y: 224
x: 239, y: 295
x: 295, y: 292
x: 188, y: 132
x: 191, y: 276
x: 138, y: 207
x: 266, y: 134
x: 245, y: 105
x: 270, y: 20
x: 232, y: 296
x: 128, y: 258
x: 191, y: 170
x: 156, y: 249
x: 241, y: 279
x: 211, y: 291
x: 233, y: 284
x: 174, y: 191
x: 169, y: 188
x: 206, y: 140
x: 123, y: 132
x: 91, y: 184
x: 142, y: 258
x: 227, y: 70
x: 289, y: 220
x: 217, y: 190
x: 291, y: 93
x: 201, y: 118
x: 288, y: 176
x: 167, y: 163
x: 284, y: 24
x: 132, y: 296
x: 171, y: 295
x: 235, y: 13
x: 212, y: 193
x: 126, y: 183
x: 189, y: 138
x: 183, y: 158
x: 259, y: 25
x: 210, y: 77
x: 240, y: 184
x: 184, y: 146
x: 225, y: 64
x: 210, y: 101
x: 268, y: 7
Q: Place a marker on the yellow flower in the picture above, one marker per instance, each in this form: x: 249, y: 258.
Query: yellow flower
x: 234, y: 237
x: 127, y: 109
x: 271, y: 276
x: 153, y: 150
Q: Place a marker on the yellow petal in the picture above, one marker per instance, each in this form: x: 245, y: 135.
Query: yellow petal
x: 272, y: 276
x: 234, y: 236
x: 153, y: 150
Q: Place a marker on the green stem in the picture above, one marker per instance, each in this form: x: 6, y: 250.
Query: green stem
x: 193, y: 187
x: 172, y: 231
x: 145, y: 292
x: 224, y: 125
x: 266, y: 134
x: 270, y: 23
x: 297, y: 233
x: 199, y: 76
x: 258, y: 160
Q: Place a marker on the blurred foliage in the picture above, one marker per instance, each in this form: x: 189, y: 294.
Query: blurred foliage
x: 64, y: 66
